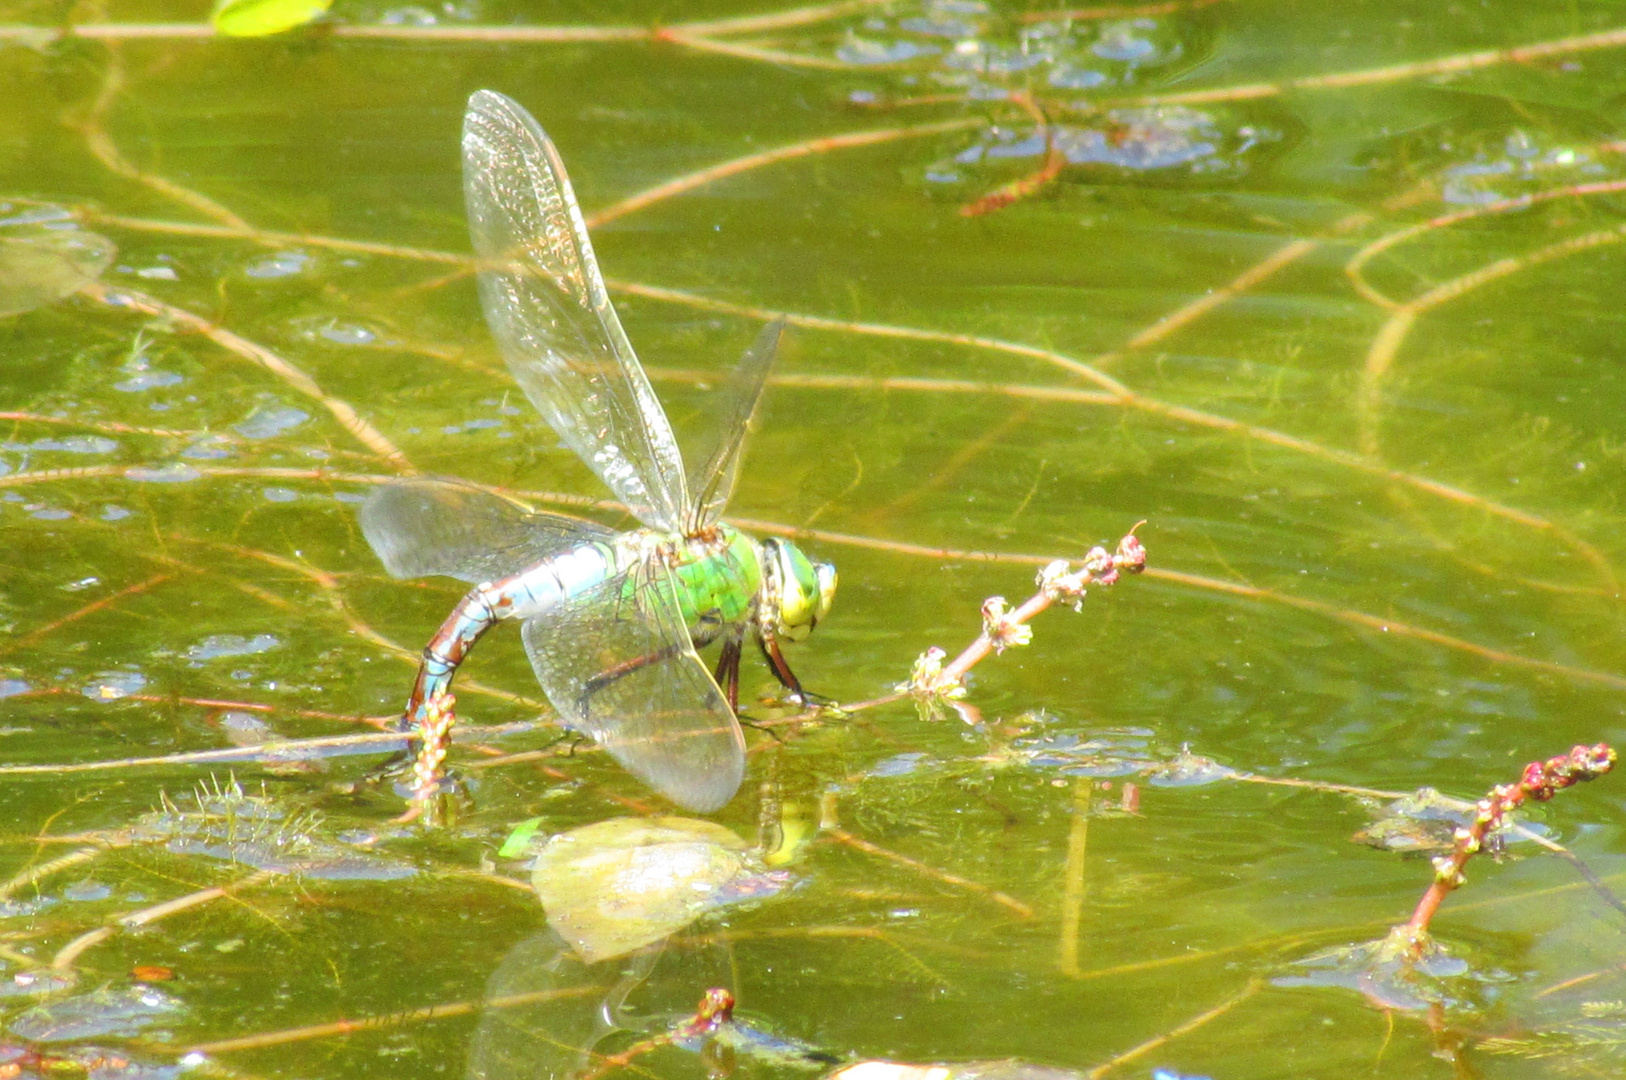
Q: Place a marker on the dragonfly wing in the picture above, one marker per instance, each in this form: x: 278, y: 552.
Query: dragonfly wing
x: 423, y: 527
x: 713, y: 483
x: 617, y: 663
x: 550, y: 313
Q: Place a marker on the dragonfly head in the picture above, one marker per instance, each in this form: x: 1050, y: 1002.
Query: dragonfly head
x: 796, y: 591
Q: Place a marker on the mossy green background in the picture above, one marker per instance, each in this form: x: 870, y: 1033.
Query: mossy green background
x: 1385, y: 539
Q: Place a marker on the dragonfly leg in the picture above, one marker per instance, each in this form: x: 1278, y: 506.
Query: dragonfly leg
x: 728, y: 671
x: 610, y: 676
x: 781, y: 668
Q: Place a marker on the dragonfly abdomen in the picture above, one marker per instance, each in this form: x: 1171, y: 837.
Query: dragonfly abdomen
x: 534, y: 591
x: 537, y: 589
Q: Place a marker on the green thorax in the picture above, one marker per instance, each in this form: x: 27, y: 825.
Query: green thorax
x: 718, y: 575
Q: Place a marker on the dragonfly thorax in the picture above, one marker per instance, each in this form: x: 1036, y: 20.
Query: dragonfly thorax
x: 796, y: 591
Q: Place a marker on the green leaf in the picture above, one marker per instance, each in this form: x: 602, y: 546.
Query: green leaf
x: 519, y: 841
x: 615, y: 886
x: 258, y: 18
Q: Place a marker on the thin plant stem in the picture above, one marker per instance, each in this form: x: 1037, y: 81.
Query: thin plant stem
x: 1117, y: 11
x: 788, y: 19
x: 858, y: 843
x: 1076, y: 885
x: 125, y: 299
x: 1112, y: 391
x: 391, y: 1020
x: 1055, y: 159
x: 1392, y: 628
x: 67, y: 957
x: 1156, y: 1042
x: 35, y: 874
x: 267, y: 752
x: 1356, y: 266
x: 110, y: 600
x: 269, y: 237
x: 94, y: 130
x: 584, y: 33
x: 1383, y: 625
x: 112, y: 427
x: 821, y: 145
x: 830, y: 826
x: 1455, y: 63
x: 1003, y: 627
x: 740, y: 50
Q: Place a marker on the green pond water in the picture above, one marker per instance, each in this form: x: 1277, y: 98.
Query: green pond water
x: 1329, y: 297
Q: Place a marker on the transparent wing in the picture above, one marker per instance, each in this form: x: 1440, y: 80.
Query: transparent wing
x: 713, y: 483
x: 548, y: 309
x: 617, y: 663
x: 423, y: 527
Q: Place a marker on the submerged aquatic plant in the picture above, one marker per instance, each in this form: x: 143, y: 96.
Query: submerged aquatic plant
x: 222, y: 821
x: 1540, y: 781
x: 1407, y: 969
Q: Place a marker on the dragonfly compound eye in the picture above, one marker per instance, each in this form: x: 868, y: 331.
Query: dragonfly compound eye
x: 798, y: 591
x: 826, y: 575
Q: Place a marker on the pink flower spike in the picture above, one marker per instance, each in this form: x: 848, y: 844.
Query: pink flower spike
x: 1002, y: 629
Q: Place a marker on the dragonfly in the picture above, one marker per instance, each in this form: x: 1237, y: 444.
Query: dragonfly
x: 611, y: 621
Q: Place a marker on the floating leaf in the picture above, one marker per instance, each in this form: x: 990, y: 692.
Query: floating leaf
x: 121, y: 1012
x: 259, y: 18
x: 1421, y: 823
x: 45, y: 256
x: 1188, y: 770
x: 613, y: 886
x: 1393, y: 972
x: 32, y: 983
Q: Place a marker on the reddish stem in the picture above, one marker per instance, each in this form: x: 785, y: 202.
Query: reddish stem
x: 1541, y: 781
x: 1099, y: 568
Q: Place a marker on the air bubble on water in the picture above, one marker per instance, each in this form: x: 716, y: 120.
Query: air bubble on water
x: 86, y: 891
x: 348, y: 334
x: 220, y: 645
x: 173, y: 473
x: 217, y: 646
x: 266, y: 423
x: 209, y: 448
x: 280, y: 265
x: 148, y: 380
x: 113, y: 685
x: 1072, y: 77
x: 862, y: 51
x: 73, y: 444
